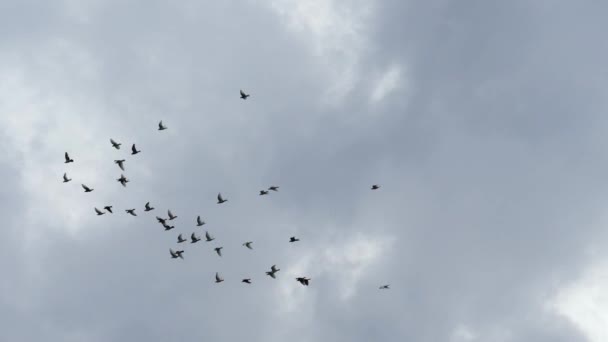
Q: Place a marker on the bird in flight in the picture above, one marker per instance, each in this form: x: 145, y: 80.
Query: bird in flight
x: 247, y: 281
x: 68, y: 159
x: 65, y: 178
x: 218, y: 250
x: 303, y: 280
x: 375, y: 187
x: 120, y: 163
x: 86, y: 188
x: 220, y: 200
x: 131, y: 211
x: 161, y: 220
x: 168, y: 227
x: 134, y: 150
x: 199, y: 222
x: 108, y: 208
x: 176, y: 254
x: 115, y: 144
x: 293, y: 239
x: 208, y: 237
x: 123, y: 180
x: 218, y: 279
x: 194, y: 238
x: 148, y: 207
x: 273, y: 270
x: 274, y: 188
x: 180, y: 239
x: 384, y: 287
x: 161, y: 127
x: 263, y: 192
x: 248, y: 244
x: 171, y: 216
x: 243, y: 95
x: 99, y: 212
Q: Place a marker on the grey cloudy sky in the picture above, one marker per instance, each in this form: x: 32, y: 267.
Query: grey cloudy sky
x: 484, y: 122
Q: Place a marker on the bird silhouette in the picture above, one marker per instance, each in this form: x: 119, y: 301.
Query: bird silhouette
x: 99, y: 212
x: 218, y: 250
x: 86, y: 188
x: 208, y: 237
x: 134, y: 150
x: 161, y: 127
x: 131, y: 211
x: 248, y: 281
x: 199, y: 222
x: 243, y: 95
x: 293, y: 239
x: 384, y: 287
x: 220, y: 200
x: 161, y: 220
x: 68, y: 159
x: 375, y: 187
x: 148, y: 207
x: 168, y: 227
x: 274, y: 188
x: 171, y: 216
x: 115, y: 144
x: 65, y: 178
x: 194, y: 238
x: 108, y: 208
x: 218, y: 279
x: 263, y: 192
x: 273, y: 270
x: 176, y: 254
x: 248, y: 244
x: 120, y: 163
x: 303, y: 280
x: 123, y: 180
x: 180, y: 239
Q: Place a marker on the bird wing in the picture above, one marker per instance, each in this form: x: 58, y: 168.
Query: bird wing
x: 97, y: 211
x: 160, y: 124
x: 113, y: 142
x: 192, y: 237
x: 217, y: 277
x: 219, y: 197
x: 147, y: 205
x: 65, y: 176
x: 274, y: 268
x: 85, y: 187
x: 198, y: 220
x: 172, y: 252
x: 242, y: 93
x: 207, y: 236
x: 219, y: 251
x: 67, y: 157
x: 133, y: 148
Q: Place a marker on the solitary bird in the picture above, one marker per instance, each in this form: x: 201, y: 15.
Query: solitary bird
x: 148, y: 207
x: 134, y: 150
x: 176, y: 254
x: 115, y: 144
x: 274, y: 188
x: 168, y: 227
x: 68, y: 159
x: 293, y: 239
x: 86, y: 188
x: 220, y: 200
x: 99, y: 212
x: 161, y: 220
x: 263, y: 192
x: 194, y: 238
x: 199, y: 222
x: 384, y: 287
x: 65, y: 178
x: 120, y: 163
x: 375, y: 187
x: 248, y: 244
x: 273, y: 270
x: 171, y: 216
x: 209, y: 237
x: 248, y: 281
x: 303, y: 280
x: 161, y: 127
x: 218, y: 250
x: 123, y: 180
x: 218, y: 279
x: 131, y: 211
x: 243, y: 95
x: 180, y: 239
x: 108, y: 208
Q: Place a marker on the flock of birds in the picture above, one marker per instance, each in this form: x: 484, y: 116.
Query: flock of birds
x: 178, y: 253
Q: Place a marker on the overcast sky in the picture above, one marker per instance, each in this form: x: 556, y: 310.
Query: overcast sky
x: 484, y: 122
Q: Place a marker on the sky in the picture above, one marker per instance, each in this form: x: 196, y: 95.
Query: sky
x: 483, y: 121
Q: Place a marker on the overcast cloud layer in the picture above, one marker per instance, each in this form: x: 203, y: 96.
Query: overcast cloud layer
x: 483, y: 121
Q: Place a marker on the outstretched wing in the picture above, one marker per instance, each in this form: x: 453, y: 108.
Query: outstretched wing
x: 133, y: 149
x: 219, y: 197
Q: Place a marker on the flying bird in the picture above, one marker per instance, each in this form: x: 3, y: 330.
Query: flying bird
x: 99, y: 212
x: 248, y: 281
x: 176, y: 254
x: 303, y: 280
x: 161, y: 220
x: 108, y: 208
x: 131, y: 211
x: 218, y: 279
x: 209, y: 237
x: 384, y: 287
x: 134, y: 150
x: 68, y: 159
x: 199, y: 222
x: 65, y: 178
x: 115, y: 144
x: 375, y: 187
x: 263, y: 192
x: 293, y: 239
x: 220, y: 200
x: 218, y: 250
x: 274, y: 188
x: 86, y: 188
x: 123, y: 180
x: 171, y: 216
x: 194, y: 238
x: 168, y: 227
x: 161, y: 127
x: 148, y: 207
x: 243, y: 95
x: 273, y: 270
x: 248, y: 244
x: 180, y: 239
x: 120, y: 163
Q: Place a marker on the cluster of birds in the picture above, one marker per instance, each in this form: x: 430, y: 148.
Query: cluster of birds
x: 178, y: 253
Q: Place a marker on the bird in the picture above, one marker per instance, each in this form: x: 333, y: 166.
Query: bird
x: 65, y: 178
x: 220, y: 200
x: 180, y: 239
x: 68, y: 159
x: 208, y: 237
x: 273, y: 270
x: 293, y: 239
x: 248, y: 244
x: 218, y: 250
x: 243, y: 95
x: 99, y: 212
x: 194, y: 238
x: 263, y: 192
x: 176, y: 254
x: 303, y: 280
x: 247, y: 281
x: 120, y: 164
x: 218, y: 279
x: 86, y: 188
x: 168, y: 227
x: 115, y: 144
x: 171, y: 216
x: 148, y: 207
x: 108, y: 208
x: 161, y: 127
x: 134, y: 150
x: 131, y: 211
x: 384, y: 287
x: 274, y: 188
x: 375, y: 187
x: 123, y: 180
x: 161, y: 220
x: 199, y: 222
